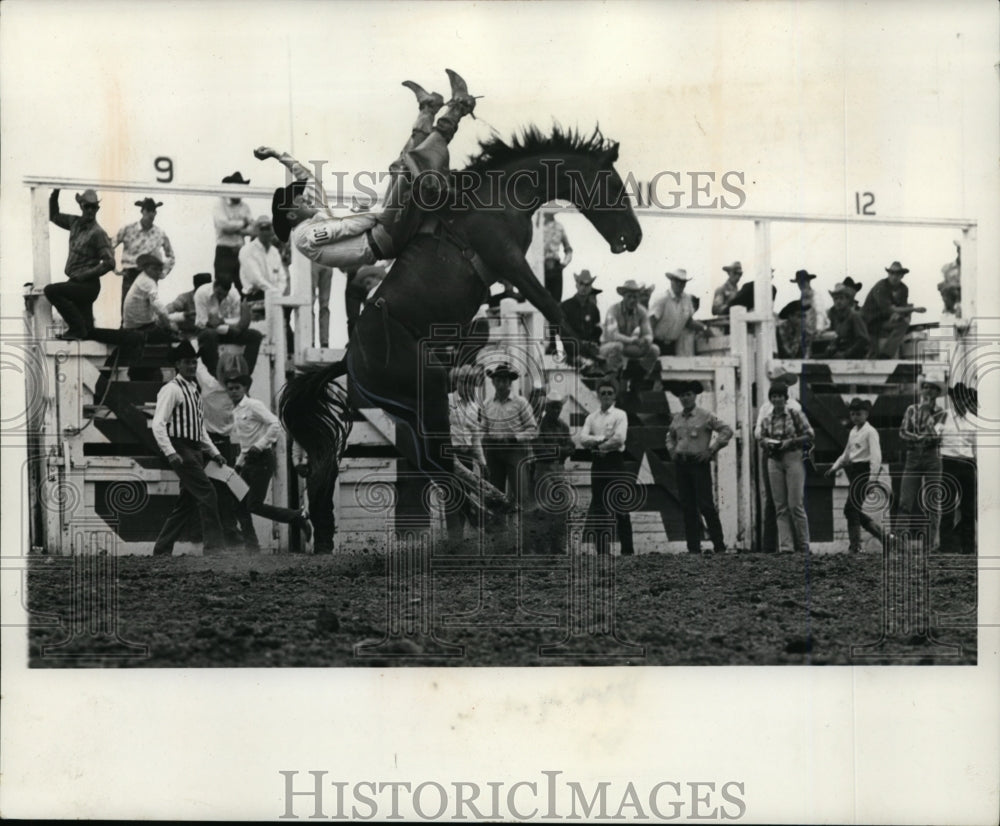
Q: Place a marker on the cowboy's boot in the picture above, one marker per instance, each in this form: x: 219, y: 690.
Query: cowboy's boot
x: 853, y: 537
x: 429, y: 104
x: 432, y: 154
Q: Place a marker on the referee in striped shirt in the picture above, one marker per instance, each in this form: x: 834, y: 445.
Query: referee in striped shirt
x: 179, y: 430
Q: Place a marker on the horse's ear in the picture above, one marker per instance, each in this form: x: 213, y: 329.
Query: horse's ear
x: 611, y: 156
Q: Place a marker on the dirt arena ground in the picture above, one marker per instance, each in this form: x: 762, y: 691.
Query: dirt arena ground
x: 292, y: 610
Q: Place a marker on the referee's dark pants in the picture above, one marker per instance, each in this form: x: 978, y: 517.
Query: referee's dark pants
x: 694, y: 490
x: 609, y: 484
x: 257, y: 471
x: 196, y: 493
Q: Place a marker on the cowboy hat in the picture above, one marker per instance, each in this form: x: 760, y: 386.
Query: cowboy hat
x: 583, y: 277
x: 935, y: 383
x: 679, y: 388
x: 503, y: 369
x: 851, y: 284
x: 235, y: 178
x: 791, y: 310
x: 282, y: 199
x: 678, y: 275
x: 202, y: 278
x: 860, y: 404
x: 736, y: 266
x: 239, y: 378
x: 842, y: 289
x: 88, y: 196
x: 801, y: 275
x: 779, y: 375
x: 895, y: 266
x: 555, y: 399
x: 630, y: 286
x: 149, y: 204
x: 263, y: 221
x: 184, y: 350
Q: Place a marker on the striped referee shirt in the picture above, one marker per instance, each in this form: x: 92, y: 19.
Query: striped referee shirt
x: 179, y: 414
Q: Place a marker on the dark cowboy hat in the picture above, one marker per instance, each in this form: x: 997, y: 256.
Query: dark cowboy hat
x: 184, y: 350
x: 240, y: 378
x: 895, y: 266
x: 284, y: 198
x: 583, y: 277
x: 964, y: 398
x: 503, y: 369
x: 800, y: 276
x: 554, y: 400
x: 88, y: 196
x: 235, y: 178
x: 860, y: 404
x: 791, y: 310
x: 678, y: 388
x: 630, y: 286
x: 851, y: 284
x: 148, y: 258
x: 736, y: 266
x: 149, y: 204
x: 202, y: 278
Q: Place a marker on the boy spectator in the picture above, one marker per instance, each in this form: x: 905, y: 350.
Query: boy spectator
x: 852, y: 338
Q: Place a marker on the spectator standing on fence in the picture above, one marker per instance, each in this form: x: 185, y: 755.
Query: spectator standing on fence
x: 921, y: 431
x: 552, y: 448
x: 689, y: 443
x: 181, y: 309
x: 604, y: 433
x: 558, y: 253
x: 784, y: 435
x: 583, y: 315
x: 958, y: 462
x: 724, y: 296
x: 508, y: 431
x: 628, y: 334
x: 221, y: 319
x: 848, y: 326
x: 887, y: 312
x: 672, y: 318
x: 862, y: 461
x: 179, y: 429
x: 233, y: 221
x: 143, y: 237
x: 255, y: 432
x: 90, y: 257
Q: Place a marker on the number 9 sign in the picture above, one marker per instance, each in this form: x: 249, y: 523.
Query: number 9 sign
x: 165, y: 166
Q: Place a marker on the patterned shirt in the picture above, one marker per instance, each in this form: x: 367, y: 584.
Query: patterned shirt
x: 142, y: 304
x: 691, y: 433
x: 922, y: 425
x: 555, y: 240
x: 179, y: 414
x: 136, y: 241
x: 789, y: 425
x: 89, y: 247
x: 229, y: 222
x: 619, y: 324
x: 510, y: 417
x: 722, y: 295
x: 863, y: 445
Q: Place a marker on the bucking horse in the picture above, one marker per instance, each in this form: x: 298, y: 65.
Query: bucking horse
x: 440, y: 280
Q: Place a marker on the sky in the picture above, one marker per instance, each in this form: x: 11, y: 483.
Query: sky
x: 808, y: 106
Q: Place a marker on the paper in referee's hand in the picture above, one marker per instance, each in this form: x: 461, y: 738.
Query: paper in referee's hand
x: 228, y: 476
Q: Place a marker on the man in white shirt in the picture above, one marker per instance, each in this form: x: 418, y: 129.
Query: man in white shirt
x: 143, y: 309
x: 219, y: 320
x: 255, y: 431
x: 233, y: 222
x: 179, y: 430
x: 672, y: 318
x: 958, y: 464
x: 604, y: 433
x: 261, y: 267
x: 862, y: 460
x: 509, y: 428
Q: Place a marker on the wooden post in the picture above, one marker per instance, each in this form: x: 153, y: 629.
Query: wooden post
x: 728, y: 461
x: 745, y: 444
x: 40, y: 263
x: 275, y: 315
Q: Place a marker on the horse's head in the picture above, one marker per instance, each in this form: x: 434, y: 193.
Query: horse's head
x: 597, y: 190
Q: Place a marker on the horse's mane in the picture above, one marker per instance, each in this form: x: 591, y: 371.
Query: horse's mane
x: 495, y: 152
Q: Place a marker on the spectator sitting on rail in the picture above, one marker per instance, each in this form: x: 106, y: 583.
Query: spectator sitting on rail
x: 628, y: 334
x: 583, y: 315
x: 300, y: 211
x: 255, y: 431
x: 886, y: 312
x: 797, y: 320
x: 233, y: 221
x: 846, y: 324
x: 672, y: 318
x: 261, y: 268
x: 724, y: 296
x: 143, y: 310
x: 139, y: 238
x: 181, y: 309
x: 90, y: 256
x: 220, y: 318
x: 645, y: 294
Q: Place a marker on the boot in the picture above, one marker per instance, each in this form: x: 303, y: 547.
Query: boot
x: 853, y: 538
x: 428, y: 103
x: 433, y: 152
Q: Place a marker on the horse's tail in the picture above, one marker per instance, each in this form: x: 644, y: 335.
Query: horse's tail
x: 314, y: 409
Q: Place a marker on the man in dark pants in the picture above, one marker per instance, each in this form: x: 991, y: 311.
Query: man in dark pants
x: 689, y: 443
x: 221, y: 319
x: 179, y: 429
x: 558, y: 254
x: 604, y: 432
x: 90, y: 256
